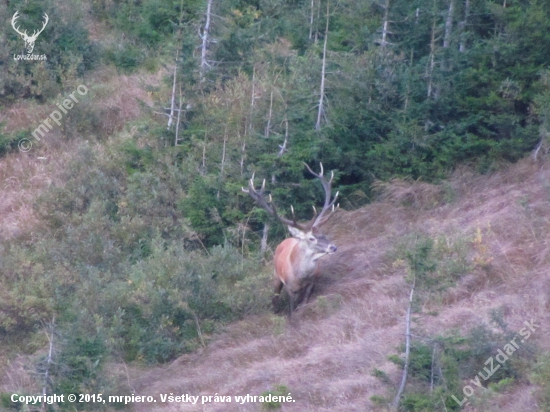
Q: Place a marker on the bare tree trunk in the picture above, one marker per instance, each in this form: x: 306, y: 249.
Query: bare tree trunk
x: 269, y: 115
x: 320, y: 113
x: 222, y: 167
x: 408, y: 90
x: 252, y: 104
x: 283, y: 147
x: 178, y: 120
x: 449, y: 25
x: 431, y: 64
x: 243, y: 155
x: 311, y: 19
x: 205, y: 41
x: 385, y: 26
x: 49, y: 360
x: 395, y: 402
x: 318, y: 17
x: 203, y: 172
x: 263, y: 244
x: 462, y: 47
x: 173, y: 101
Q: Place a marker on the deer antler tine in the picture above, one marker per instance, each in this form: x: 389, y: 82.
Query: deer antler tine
x: 309, y: 168
x: 321, y: 173
x: 263, y: 186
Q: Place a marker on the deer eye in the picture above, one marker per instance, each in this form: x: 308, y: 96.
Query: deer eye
x: 312, y: 239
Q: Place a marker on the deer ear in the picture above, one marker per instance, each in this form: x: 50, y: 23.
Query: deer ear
x: 297, y: 233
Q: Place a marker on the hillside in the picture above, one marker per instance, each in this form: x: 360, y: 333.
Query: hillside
x: 131, y: 261
x: 326, y: 356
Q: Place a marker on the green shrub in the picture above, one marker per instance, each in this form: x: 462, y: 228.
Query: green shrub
x: 541, y: 376
x: 280, y: 390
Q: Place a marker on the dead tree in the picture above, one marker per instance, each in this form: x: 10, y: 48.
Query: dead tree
x: 463, y: 23
x: 321, y: 111
x: 205, y: 41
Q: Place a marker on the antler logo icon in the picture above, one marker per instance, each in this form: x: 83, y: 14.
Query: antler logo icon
x: 29, y: 40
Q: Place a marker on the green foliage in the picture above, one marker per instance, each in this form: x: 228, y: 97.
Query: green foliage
x: 204, y: 209
x: 436, y: 264
x: 8, y: 141
x: 79, y: 364
x: 439, y: 368
x: 383, y: 376
x: 125, y: 57
x: 7, y: 404
x: 541, y: 376
x: 379, y: 400
x: 64, y: 41
x: 280, y: 390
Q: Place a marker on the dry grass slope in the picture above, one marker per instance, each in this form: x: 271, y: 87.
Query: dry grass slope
x: 326, y: 356
x: 23, y: 176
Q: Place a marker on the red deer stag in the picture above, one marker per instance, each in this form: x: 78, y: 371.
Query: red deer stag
x: 296, y: 258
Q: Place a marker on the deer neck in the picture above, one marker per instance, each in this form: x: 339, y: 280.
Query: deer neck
x: 307, y: 262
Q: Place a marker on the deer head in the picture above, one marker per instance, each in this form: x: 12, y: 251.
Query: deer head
x: 29, y: 40
x: 307, y: 232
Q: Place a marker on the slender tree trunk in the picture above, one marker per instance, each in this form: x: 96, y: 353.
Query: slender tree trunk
x: 223, y: 163
x: 263, y: 244
x: 311, y: 19
x: 385, y: 26
x: 449, y: 25
x: 49, y: 360
x: 318, y: 18
x: 205, y: 41
x: 395, y: 402
x: 408, y: 90
x: 173, y: 101
x: 243, y: 155
x: 431, y: 64
x: 203, y: 171
x: 252, y: 104
x: 178, y: 120
x: 283, y: 147
x: 269, y: 115
x: 321, y: 110
x: 462, y: 47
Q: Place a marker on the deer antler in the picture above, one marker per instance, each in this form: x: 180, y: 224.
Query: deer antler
x: 269, y: 206
x: 46, y: 20
x: 15, y: 17
x: 320, y: 219
x: 316, y: 221
x: 29, y: 40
